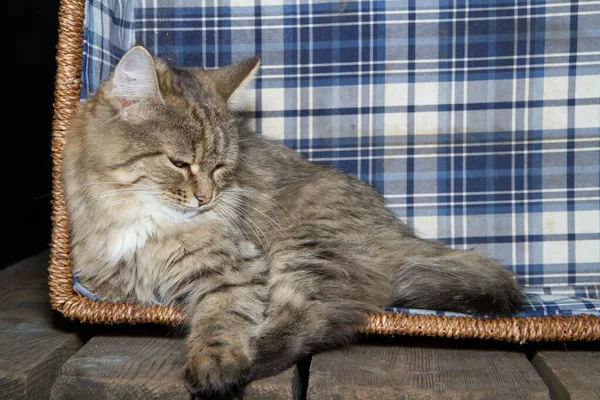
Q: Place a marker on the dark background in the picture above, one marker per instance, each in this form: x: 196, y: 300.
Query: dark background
x: 26, y: 161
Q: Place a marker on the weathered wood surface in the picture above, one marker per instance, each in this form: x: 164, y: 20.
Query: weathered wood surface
x: 146, y: 362
x: 134, y: 367
x: 571, y: 374
x: 34, y: 342
x: 287, y: 385
x: 392, y: 372
x: 124, y: 367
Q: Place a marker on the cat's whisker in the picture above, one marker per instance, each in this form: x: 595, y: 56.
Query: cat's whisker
x: 108, y: 121
x: 224, y: 218
x: 120, y: 192
x: 106, y: 199
x: 125, y: 190
x: 244, y: 158
x: 129, y: 196
x: 260, y: 230
x: 275, y: 209
x: 269, y: 200
x: 103, y: 183
x: 233, y: 221
x: 113, y: 189
x: 235, y: 216
x: 230, y: 222
x: 42, y: 196
x: 247, y: 204
x: 225, y: 204
x: 118, y: 202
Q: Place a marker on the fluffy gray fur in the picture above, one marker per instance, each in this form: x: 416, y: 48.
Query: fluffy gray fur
x: 273, y: 256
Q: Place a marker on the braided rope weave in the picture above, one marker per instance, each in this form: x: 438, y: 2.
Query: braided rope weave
x: 74, y: 306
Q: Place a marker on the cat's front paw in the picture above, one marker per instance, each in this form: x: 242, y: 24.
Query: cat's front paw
x: 217, y: 371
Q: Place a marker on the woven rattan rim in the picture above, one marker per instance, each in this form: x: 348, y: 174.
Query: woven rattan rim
x: 74, y: 306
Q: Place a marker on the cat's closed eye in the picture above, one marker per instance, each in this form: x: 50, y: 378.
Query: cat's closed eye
x: 178, y: 163
x: 217, y: 168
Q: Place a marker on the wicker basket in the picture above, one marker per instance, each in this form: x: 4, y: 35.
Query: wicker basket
x: 74, y: 306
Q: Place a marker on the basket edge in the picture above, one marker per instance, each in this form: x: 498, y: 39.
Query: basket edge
x: 563, y: 328
x: 66, y: 92
x: 74, y: 306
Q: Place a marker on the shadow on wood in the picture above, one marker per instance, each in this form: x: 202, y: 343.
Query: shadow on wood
x: 34, y: 341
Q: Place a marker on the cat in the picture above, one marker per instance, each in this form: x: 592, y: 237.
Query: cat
x: 172, y: 199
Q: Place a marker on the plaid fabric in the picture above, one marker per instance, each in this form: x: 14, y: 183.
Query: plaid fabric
x: 478, y: 121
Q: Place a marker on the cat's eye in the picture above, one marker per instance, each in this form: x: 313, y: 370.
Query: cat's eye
x: 179, y: 164
x: 217, y: 168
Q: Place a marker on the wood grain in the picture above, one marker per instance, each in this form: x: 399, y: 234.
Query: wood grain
x: 393, y: 372
x: 570, y: 374
x: 33, y: 341
x: 287, y: 385
x: 122, y: 367
x: 137, y: 367
x: 24, y: 287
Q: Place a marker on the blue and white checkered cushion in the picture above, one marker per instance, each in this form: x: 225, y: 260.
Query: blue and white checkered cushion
x: 479, y: 121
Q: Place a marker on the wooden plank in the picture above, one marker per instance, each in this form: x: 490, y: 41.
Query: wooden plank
x: 122, y: 367
x: 34, y: 342
x: 393, y: 372
x: 143, y: 367
x: 287, y: 385
x: 24, y: 287
x: 570, y: 374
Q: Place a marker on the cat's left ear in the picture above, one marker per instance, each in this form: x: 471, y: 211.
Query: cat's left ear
x: 232, y: 80
x: 135, y: 91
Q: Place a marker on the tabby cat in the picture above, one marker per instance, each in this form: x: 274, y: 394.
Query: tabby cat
x: 172, y: 199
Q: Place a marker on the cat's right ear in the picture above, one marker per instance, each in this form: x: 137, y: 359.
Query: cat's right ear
x: 232, y: 80
x: 134, y: 90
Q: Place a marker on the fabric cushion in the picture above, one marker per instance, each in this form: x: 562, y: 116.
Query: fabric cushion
x: 478, y: 122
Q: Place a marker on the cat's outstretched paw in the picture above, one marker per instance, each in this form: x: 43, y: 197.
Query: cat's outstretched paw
x: 217, y: 372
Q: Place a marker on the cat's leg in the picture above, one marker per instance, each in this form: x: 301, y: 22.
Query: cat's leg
x: 297, y: 328
x: 314, y: 298
x: 227, y: 302
x: 318, y: 297
x: 219, y: 343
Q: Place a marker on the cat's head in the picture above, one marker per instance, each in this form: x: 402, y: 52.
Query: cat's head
x: 158, y: 134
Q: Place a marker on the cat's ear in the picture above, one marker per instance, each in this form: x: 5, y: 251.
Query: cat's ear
x: 231, y: 80
x: 134, y: 90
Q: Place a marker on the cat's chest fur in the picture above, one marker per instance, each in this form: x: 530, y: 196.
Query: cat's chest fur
x: 134, y: 234
x: 128, y: 239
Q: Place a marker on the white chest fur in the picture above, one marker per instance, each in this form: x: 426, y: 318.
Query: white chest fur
x: 126, y: 240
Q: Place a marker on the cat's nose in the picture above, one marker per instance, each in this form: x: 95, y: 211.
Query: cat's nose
x: 202, y: 199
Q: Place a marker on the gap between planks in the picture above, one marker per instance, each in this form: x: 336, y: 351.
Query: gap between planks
x: 570, y: 374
